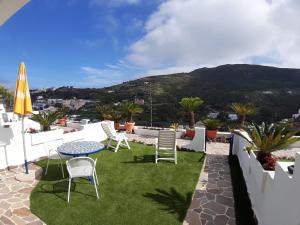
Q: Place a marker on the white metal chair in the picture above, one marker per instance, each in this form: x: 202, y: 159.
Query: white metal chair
x: 53, y: 154
x: 165, y: 146
x: 112, y: 135
x: 82, y: 167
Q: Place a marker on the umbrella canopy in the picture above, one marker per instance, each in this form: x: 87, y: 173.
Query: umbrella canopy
x: 22, y: 103
x: 9, y: 8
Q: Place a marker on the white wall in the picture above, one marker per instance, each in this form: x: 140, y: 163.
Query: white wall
x: 37, y: 145
x: 275, y: 195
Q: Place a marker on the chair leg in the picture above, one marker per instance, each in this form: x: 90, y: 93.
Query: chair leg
x: 118, y: 145
x: 156, y: 156
x: 175, y: 157
x: 46, y: 171
x: 69, y: 189
x: 126, y: 142
x: 109, y: 143
x: 95, y: 185
x: 62, y: 168
x: 97, y: 182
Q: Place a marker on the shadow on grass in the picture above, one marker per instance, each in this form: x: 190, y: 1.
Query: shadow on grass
x: 142, y: 159
x: 173, y: 201
x: 62, y: 187
x: 54, y: 172
x: 243, y: 208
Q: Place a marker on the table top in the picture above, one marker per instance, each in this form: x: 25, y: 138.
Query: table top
x: 80, y: 148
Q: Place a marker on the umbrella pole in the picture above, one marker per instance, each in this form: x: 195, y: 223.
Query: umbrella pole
x: 24, y: 146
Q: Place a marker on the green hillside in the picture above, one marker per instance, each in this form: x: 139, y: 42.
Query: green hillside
x: 274, y: 91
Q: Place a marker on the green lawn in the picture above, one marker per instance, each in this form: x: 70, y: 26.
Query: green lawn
x: 133, y: 190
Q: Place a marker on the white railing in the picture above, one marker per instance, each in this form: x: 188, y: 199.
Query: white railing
x: 275, y: 195
x: 38, y: 144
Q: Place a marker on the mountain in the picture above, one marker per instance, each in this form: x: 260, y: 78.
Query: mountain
x: 274, y: 91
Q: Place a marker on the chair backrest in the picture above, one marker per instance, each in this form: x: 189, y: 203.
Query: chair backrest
x: 81, y: 166
x: 166, y: 139
x: 108, y: 129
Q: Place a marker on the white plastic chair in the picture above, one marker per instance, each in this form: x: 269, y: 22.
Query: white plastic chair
x: 165, y: 146
x: 53, y: 154
x: 112, y: 135
x: 82, y: 167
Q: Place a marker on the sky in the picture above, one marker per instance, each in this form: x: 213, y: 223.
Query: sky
x: 98, y: 43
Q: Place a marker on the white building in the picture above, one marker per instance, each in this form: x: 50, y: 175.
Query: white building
x: 295, y: 116
x: 233, y: 116
x: 213, y: 115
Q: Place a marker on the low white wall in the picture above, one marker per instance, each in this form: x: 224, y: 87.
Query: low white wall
x: 37, y: 145
x: 275, y: 195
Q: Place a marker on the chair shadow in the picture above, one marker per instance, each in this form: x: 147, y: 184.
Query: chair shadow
x: 54, y: 172
x: 172, y: 201
x: 62, y: 187
x: 142, y: 159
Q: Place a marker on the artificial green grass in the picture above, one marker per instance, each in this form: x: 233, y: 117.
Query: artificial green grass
x: 133, y: 190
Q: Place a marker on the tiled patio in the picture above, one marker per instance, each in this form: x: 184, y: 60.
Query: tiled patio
x: 14, y: 199
x: 213, y: 202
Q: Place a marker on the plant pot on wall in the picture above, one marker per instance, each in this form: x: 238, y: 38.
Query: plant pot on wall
x: 190, y: 133
x: 62, y: 122
x: 117, y: 125
x: 129, y: 127
x: 211, y: 134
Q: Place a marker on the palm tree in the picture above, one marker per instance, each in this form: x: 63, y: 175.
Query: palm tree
x: 105, y: 112
x: 129, y: 109
x: 7, y: 96
x: 242, y: 110
x: 189, y: 104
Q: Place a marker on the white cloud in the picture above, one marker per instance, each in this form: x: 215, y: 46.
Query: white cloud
x: 184, y: 34
x: 101, y: 77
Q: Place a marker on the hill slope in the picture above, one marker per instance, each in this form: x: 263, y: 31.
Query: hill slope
x: 275, y: 91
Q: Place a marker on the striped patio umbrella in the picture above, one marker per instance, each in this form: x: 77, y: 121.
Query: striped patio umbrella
x: 22, y: 103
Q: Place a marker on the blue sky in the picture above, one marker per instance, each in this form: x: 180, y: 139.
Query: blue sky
x: 97, y: 43
x: 66, y: 42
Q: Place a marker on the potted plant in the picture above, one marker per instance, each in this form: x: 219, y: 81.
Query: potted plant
x: 129, y: 109
x: 189, y: 104
x: 269, y: 138
x: 212, y: 126
x: 243, y: 110
x: 62, y: 120
x: 46, y: 119
x: 116, y: 117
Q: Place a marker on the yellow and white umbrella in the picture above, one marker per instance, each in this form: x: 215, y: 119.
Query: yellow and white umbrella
x: 22, y: 103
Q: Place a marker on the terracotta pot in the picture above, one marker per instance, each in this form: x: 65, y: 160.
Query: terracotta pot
x: 211, y: 134
x: 129, y: 127
x: 190, y: 133
x: 117, y: 126
x: 62, y: 122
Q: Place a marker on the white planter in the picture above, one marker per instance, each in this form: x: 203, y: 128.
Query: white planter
x: 244, y: 159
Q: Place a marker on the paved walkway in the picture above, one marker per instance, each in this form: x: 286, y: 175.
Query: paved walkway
x: 213, y: 202
x: 14, y: 199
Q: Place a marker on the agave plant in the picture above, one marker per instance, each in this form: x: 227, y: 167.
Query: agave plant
x: 268, y: 138
x: 46, y: 119
x: 189, y: 104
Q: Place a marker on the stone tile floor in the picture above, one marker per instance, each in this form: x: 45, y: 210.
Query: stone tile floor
x: 14, y: 199
x: 213, y: 203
